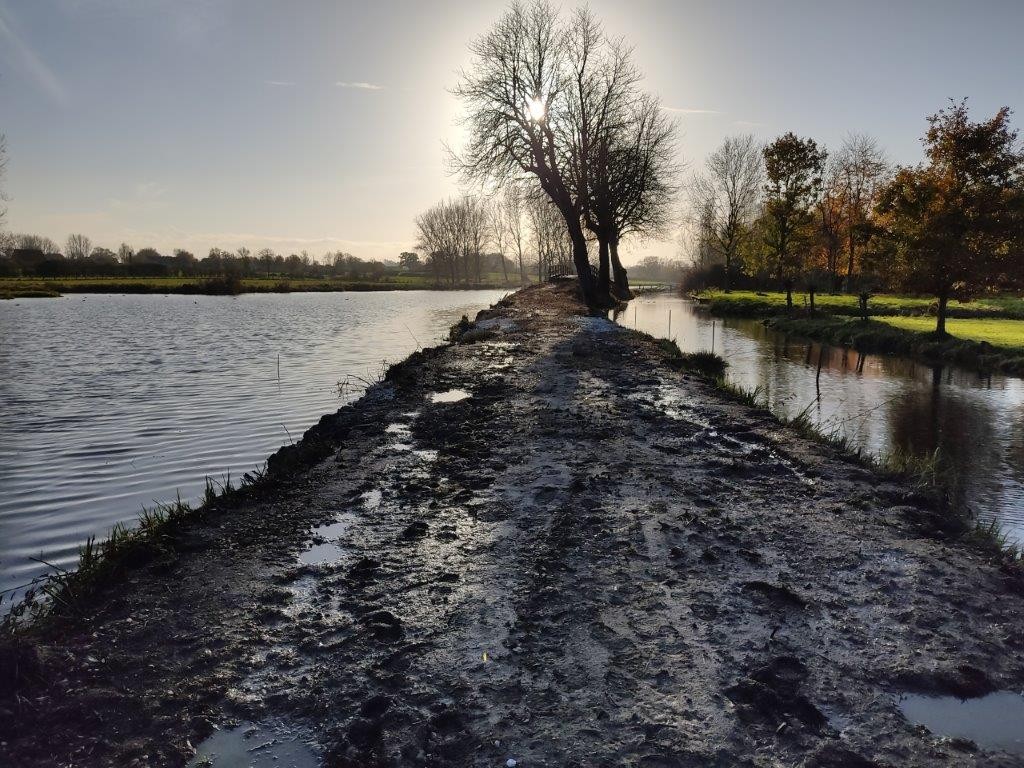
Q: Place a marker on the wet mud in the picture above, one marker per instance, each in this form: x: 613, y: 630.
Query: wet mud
x: 545, y: 546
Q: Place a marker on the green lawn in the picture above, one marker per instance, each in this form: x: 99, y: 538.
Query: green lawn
x: 998, y: 332
x: 751, y: 302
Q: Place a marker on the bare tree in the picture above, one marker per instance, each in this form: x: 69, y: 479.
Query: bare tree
x: 510, y: 217
x: 125, y: 254
x: 551, y: 242
x: 454, y: 233
x: 36, y: 243
x: 78, y: 247
x: 726, y: 198
x: 862, y: 168
x: 516, y: 96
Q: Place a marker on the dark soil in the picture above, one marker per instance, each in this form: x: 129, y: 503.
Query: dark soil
x: 592, y: 560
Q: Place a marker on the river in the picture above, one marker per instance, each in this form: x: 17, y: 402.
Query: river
x: 109, y: 403
x: 877, y: 402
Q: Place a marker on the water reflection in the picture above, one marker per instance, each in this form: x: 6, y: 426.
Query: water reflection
x: 877, y: 402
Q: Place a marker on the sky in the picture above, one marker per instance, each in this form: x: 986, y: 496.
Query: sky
x: 319, y: 126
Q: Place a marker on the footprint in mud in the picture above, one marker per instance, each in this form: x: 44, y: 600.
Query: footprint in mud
x: 773, y: 694
x: 777, y: 595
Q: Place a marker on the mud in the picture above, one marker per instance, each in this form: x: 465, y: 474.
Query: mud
x: 589, y: 559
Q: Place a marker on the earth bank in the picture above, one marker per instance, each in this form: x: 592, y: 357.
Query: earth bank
x: 542, y: 543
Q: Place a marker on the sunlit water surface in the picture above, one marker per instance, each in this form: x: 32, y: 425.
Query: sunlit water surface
x: 111, y: 403
x: 879, y: 403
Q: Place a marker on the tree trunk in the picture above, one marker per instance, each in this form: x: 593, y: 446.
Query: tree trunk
x: 591, y: 294
x: 728, y: 273
x: 604, y: 268
x: 789, y: 295
x: 849, y: 264
x: 504, y: 267
x: 940, y: 324
x: 810, y: 295
x: 619, y: 277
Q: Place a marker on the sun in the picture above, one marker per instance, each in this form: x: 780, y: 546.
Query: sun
x: 535, y: 109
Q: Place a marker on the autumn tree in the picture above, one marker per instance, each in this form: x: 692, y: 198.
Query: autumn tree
x: 955, y: 221
x: 793, y: 168
x: 830, y: 227
x: 726, y: 198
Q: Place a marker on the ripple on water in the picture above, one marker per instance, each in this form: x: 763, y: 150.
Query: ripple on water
x: 92, y: 431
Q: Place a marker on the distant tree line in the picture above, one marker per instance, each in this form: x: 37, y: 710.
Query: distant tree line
x: 28, y: 255
x: 789, y: 214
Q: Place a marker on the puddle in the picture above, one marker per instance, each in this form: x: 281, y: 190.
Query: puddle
x: 450, y: 396
x: 995, y: 721
x: 254, y: 746
x: 318, y: 554
x: 327, y: 550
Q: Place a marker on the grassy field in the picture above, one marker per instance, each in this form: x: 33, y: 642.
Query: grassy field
x: 751, y: 304
x: 980, y: 344
x: 997, y: 332
x: 18, y: 287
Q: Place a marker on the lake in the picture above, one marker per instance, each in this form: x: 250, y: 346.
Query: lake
x: 878, y: 402
x: 110, y: 403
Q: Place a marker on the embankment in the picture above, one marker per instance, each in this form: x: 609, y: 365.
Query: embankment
x: 834, y: 323
x: 875, y: 336
x: 545, y: 544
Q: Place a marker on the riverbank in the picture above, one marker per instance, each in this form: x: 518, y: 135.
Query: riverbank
x: 541, y: 543
x: 29, y: 287
x: 984, y: 337
x: 770, y: 303
x: 883, y: 337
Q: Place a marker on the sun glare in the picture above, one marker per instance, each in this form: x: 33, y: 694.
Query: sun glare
x: 535, y: 109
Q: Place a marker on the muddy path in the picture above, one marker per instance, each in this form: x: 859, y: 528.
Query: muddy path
x: 546, y: 546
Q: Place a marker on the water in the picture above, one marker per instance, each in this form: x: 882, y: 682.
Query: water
x: 254, y: 746
x: 110, y: 403
x: 879, y: 403
x: 995, y: 721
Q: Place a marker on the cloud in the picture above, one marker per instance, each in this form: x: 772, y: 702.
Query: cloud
x: 149, y: 196
x: 28, y: 59
x: 279, y: 82
x: 688, y: 111
x: 359, y: 85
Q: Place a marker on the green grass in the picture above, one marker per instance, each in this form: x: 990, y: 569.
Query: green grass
x: 757, y: 304
x: 998, y: 332
x: 29, y: 287
x: 68, y: 592
x: 883, y: 336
